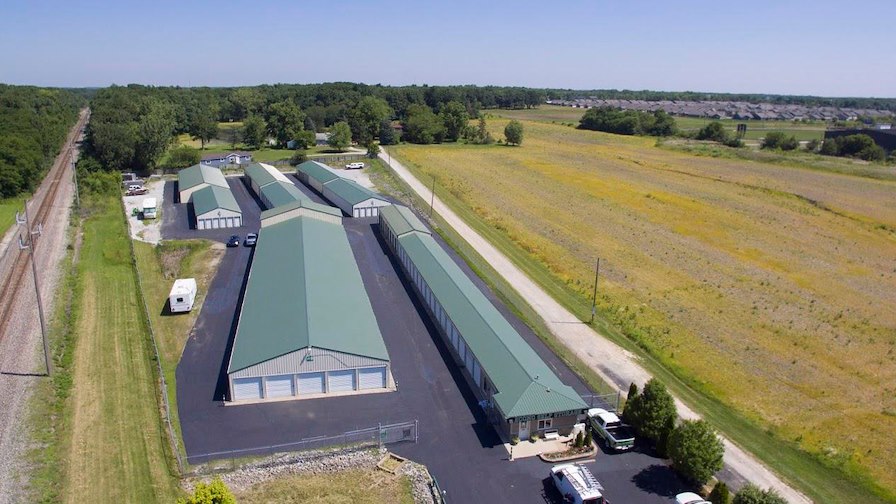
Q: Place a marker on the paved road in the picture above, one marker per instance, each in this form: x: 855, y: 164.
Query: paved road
x: 613, y: 363
x: 455, y: 442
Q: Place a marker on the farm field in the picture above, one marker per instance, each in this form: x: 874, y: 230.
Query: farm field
x: 114, y: 448
x: 767, y: 287
x: 355, y: 486
x: 755, y: 129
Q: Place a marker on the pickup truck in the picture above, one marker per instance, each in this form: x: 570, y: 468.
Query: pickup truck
x: 607, y: 425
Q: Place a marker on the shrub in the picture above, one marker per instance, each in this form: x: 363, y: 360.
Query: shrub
x: 751, y: 494
x: 515, y: 440
x: 183, y: 156
x: 534, y: 437
x: 652, y: 411
x: 779, y: 140
x: 589, y: 439
x: 513, y: 132
x: 580, y: 440
x: 298, y: 158
x: 696, y: 451
x: 720, y: 494
x: 215, y: 492
x: 713, y: 131
x: 812, y: 145
x: 629, y: 399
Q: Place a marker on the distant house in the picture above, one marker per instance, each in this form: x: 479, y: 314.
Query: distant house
x: 218, y: 160
x: 321, y: 139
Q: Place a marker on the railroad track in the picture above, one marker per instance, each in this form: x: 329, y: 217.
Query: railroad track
x: 44, y: 199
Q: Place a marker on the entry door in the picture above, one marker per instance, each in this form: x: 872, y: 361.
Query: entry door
x: 524, y: 430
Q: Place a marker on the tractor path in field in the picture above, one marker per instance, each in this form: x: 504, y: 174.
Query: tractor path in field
x: 614, y: 364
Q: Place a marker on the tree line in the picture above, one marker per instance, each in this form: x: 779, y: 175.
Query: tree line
x: 34, y: 123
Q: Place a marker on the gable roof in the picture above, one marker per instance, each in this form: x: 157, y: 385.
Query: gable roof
x: 351, y: 191
x: 402, y: 220
x: 304, y: 290
x: 212, y: 198
x: 200, y: 174
x: 526, y: 385
x: 300, y: 203
x: 281, y: 193
x: 263, y: 174
x: 318, y: 171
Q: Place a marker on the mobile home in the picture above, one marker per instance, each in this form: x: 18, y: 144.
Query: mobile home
x: 182, y: 295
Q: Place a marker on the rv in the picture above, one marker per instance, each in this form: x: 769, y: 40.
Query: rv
x: 149, y: 208
x: 182, y: 295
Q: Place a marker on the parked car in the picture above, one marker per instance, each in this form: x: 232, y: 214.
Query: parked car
x: 234, y: 241
x: 354, y: 166
x: 251, y: 238
x: 135, y: 191
x: 577, y: 485
x: 607, y: 425
x: 690, y: 498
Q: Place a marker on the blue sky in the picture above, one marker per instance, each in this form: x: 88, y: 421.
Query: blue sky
x: 822, y: 47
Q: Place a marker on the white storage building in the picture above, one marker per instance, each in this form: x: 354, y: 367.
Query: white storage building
x: 354, y: 199
x: 215, y: 208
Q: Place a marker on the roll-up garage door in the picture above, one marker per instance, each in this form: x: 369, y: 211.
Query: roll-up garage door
x: 372, y: 378
x: 461, y: 348
x: 477, y: 373
x: 311, y: 383
x: 278, y: 386
x: 468, y: 361
x: 246, y: 388
x: 341, y: 381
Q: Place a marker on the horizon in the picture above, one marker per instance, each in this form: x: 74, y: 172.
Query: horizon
x: 804, y: 48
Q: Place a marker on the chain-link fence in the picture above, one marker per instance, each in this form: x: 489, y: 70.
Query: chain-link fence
x: 609, y: 402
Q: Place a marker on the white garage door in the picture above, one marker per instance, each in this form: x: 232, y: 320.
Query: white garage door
x: 216, y: 223
x: 278, y: 386
x: 311, y: 383
x: 468, y: 361
x: 477, y: 373
x: 246, y: 388
x: 371, y: 378
x: 341, y: 381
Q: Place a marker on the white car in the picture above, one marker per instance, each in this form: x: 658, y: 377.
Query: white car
x: 690, y: 498
x: 354, y: 166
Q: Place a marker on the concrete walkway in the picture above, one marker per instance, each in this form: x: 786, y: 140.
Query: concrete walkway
x: 614, y: 364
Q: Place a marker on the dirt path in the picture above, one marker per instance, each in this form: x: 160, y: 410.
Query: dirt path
x: 614, y: 364
x: 21, y: 361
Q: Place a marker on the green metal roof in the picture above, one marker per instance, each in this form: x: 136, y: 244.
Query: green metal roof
x: 301, y: 203
x: 402, y: 220
x: 198, y: 174
x: 526, y: 385
x: 304, y: 289
x: 262, y: 174
x: 281, y: 193
x: 317, y: 171
x: 212, y: 198
x: 351, y: 191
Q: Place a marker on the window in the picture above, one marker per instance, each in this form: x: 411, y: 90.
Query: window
x: 545, y: 424
x: 180, y: 300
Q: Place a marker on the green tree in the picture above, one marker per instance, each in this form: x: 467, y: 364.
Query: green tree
x: 652, y: 411
x: 340, y: 136
x: 254, y: 131
x: 696, y: 451
x: 714, y: 131
x: 661, y: 124
x: 285, y: 120
x: 422, y: 126
x: 304, y: 139
x: 203, y: 121
x: 589, y: 439
x: 155, y: 131
x: 246, y: 102
x: 455, y: 118
x: 183, y: 156
x: 829, y: 147
x: 580, y: 440
x: 309, y: 124
x: 751, y: 494
x: 720, y: 494
x: 215, y: 492
x: 779, y: 140
x: 387, y: 133
x: 513, y: 132
x: 373, y: 150
x: 630, y: 399
x: 366, y: 117
x: 812, y: 145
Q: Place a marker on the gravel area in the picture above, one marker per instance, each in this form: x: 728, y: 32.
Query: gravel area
x: 149, y: 231
x: 21, y: 358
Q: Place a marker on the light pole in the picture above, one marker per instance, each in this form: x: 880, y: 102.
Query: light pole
x: 40, y: 305
x: 594, y: 299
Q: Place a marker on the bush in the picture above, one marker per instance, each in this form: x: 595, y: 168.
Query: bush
x: 751, y: 494
x: 298, y: 158
x: 580, y: 440
x: 858, y: 146
x: 534, y: 437
x: 215, y: 492
x: 513, y: 132
x: 183, y: 156
x: 372, y: 150
x: 629, y: 399
x: 713, y: 131
x: 812, y: 145
x: 696, y: 451
x: 628, y: 122
x: 589, y: 439
x: 779, y: 140
x: 720, y: 494
x: 652, y: 412
x: 515, y: 440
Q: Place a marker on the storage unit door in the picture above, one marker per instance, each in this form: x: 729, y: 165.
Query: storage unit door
x: 278, y: 386
x: 311, y: 383
x: 200, y: 224
x: 372, y: 378
x: 341, y: 381
x: 246, y: 388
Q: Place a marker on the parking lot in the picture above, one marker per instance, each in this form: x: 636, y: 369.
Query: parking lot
x: 455, y: 442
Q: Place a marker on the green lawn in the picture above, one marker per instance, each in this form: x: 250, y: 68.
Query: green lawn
x: 8, y: 209
x: 356, y: 486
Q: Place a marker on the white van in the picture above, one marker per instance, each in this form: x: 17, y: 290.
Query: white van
x: 149, y: 208
x: 182, y: 295
x: 577, y: 485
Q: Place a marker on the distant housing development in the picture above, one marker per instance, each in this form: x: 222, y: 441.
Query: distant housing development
x: 306, y: 326
x: 354, y: 199
x: 521, y: 395
x: 218, y: 160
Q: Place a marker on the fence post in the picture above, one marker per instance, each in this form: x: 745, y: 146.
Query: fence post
x: 416, y: 431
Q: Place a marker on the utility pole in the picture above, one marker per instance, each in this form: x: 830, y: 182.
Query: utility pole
x: 432, y: 199
x: 40, y: 304
x: 594, y: 299
x: 75, y: 175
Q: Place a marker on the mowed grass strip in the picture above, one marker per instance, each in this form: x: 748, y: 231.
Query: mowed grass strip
x: 361, y: 486
x: 116, y: 450
x: 728, y: 273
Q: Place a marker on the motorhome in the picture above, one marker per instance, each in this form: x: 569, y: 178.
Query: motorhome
x: 149, y: 208
x: 182, y: 295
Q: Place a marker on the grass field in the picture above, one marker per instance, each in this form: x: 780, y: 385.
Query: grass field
x: 764, y: 288
x: 353, y: 486
x: 8, y: 209
x: 113, y: 447
x: 755, y: 129
x: 159, y: 266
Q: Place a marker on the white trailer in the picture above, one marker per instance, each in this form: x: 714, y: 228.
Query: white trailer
x: 149, y: 208
x: 577, y: 485
x: 182, y: 295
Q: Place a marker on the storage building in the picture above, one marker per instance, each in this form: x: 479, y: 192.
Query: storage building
x: 215, y: 208
x: 306, y: 327
x: 521, y: 393
x: 315, y: 175
x: 280, y: 193
x: 196, y: 177
x: 261, y: 174
x: 354, y: 199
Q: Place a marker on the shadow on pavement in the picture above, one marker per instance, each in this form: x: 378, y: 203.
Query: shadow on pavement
x: 658, y: 479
